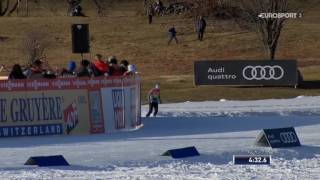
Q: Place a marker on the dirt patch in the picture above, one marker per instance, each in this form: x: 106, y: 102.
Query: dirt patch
x: 4, y: 38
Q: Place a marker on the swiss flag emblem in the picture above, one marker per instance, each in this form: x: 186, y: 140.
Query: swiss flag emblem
x: 71, y: 117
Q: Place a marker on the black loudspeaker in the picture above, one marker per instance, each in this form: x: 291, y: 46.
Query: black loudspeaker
x: 80, y: 38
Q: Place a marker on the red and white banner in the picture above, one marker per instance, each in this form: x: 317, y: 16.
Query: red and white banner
x: 124, y: 111
x: 69, y: 106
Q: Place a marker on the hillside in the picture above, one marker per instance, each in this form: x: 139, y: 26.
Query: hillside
x: 124, y: 32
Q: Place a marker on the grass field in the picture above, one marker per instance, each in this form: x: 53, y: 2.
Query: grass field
x: 124, y: 32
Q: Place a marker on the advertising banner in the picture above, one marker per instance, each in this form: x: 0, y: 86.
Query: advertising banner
x: 123, y: 111
x: 68, y: 106
x: 97, y: 121
x: 246, y: 72
x: 277, y: 138
x: 44, y: 113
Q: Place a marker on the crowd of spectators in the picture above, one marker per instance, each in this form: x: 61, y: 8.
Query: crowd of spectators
x: 157, y: 8
x: 97, y: 67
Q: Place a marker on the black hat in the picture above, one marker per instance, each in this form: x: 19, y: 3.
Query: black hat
x: 113, y: 61
x: 124, y: 62
x: 85, y: 62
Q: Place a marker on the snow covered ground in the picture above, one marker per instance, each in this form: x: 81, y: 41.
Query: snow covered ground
x: 217, y: 129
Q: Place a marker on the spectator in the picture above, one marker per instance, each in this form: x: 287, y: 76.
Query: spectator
x: 100, y: 67
x: 27, y: 71
x: 72, y: 66
x: 132, y: 70
x: 37, y: 70
x: 154, y: 100
x: 124, y: 66
x: 84, y: 70
x: 111, y: 58
x: 114, y: 67
x: 70, y: 71
x: 201, y: 27
x: 159, y: 7
x: 16, y: 72
x: 172, y: 34
x: 150, y: 13
x: 77, y: 11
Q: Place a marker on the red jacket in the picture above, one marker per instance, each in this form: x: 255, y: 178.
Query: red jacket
x: 154, y: 95
x: 101, y: 66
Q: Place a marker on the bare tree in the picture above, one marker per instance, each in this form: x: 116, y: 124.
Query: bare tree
x: 14, y: 8
x: 4, y: 8
x: 101, y: 6
x: 269, y: 29
x: 35, y: 45
x: 7, y: 8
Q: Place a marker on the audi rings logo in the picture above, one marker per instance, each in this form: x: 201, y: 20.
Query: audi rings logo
x: 263, y: 72
x: 288, y: 137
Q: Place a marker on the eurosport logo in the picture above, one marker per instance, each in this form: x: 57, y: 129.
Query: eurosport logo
x: 288, y: 137
x: 263, y: 72
x: 280, y: 15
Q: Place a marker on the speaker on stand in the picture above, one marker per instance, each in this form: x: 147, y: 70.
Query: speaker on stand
x: 80, y: 39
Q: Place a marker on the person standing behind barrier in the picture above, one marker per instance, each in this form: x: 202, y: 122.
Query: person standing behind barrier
x: 201, y: 27
x: 84, y: 70
x: 16, y: 72
x: 124, y: 66
x: 37, y: 70
x: 154, y: 100
x: 100, y: 67
x: 70, y: 71
x: 114, y: 68
x: 172, y: 34
x: 132, y: 70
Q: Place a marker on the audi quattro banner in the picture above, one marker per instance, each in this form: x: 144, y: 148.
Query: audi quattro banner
x: 246, y: 72
x: 69, y: 106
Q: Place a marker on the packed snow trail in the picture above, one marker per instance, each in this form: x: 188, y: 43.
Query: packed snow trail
x: 217, y: 129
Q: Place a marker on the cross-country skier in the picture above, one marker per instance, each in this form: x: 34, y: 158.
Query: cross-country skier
x: 154, y: 100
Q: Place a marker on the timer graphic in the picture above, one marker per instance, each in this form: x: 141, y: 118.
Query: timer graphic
x: 251, y: 159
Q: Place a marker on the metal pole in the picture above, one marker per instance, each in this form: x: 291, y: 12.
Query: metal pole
x: 123, y: 105
x: 27, y: 7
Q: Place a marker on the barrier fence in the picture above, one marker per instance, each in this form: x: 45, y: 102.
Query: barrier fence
x: 69, y: 106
